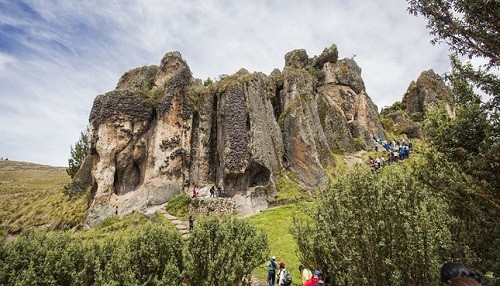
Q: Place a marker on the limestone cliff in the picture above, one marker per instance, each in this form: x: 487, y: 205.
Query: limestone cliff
x: 161, y: 131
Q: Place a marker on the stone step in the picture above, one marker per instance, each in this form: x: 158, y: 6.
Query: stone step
x: 170, y: 217
x: 176, y: 221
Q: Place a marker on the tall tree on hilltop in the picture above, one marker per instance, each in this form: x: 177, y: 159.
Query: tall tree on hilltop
x: 78, y: 153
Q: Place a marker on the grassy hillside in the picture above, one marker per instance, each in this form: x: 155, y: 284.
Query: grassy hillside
x: 276, y: 223
x: 33, y: 195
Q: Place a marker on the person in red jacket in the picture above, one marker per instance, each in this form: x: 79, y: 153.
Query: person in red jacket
x: 313, y: 280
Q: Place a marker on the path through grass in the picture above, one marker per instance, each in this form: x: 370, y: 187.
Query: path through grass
x: 276, y: 223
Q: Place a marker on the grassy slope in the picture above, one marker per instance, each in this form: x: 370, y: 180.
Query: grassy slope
x: 276, y: 223
x: 33, y: 195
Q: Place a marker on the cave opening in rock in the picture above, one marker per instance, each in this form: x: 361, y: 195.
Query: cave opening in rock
x: 127, y: 179
x: 258, y: 175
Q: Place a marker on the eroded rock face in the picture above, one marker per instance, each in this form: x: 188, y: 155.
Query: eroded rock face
x: 161, y: 131
x: 429, y: 90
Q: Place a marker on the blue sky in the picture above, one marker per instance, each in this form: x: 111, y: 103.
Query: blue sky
x: 57, y: 56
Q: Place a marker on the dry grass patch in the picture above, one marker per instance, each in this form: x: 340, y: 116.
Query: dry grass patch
x: 33, y: 195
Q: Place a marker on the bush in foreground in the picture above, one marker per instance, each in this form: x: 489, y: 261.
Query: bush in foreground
x: 377, y: 229
x: 224, y: 251
x: 151, y: 255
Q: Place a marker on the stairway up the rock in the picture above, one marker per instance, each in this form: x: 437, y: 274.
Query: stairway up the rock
x: 179, y: 224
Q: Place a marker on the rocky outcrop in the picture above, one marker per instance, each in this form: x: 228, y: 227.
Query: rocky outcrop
x: 161, y: 131
x: 429, y: 90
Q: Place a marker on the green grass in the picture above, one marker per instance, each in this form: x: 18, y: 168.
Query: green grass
x: 276, y: 223
x: 121, y: 226
x: 288, y: 189
x: 33, y: 195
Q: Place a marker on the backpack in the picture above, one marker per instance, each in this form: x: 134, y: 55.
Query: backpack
x: 287, y: 280
x: 272, y: 265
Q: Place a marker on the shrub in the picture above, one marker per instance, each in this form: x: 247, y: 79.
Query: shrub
x: 224, y: 251
x: 156, y: 255
x: 359, y: 144
x: 40, y: 258
x: 178, y: 205
x: 152, y: 255
x: 377, y: 229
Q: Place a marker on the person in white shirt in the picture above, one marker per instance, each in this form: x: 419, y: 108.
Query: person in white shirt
x: 306, y: 273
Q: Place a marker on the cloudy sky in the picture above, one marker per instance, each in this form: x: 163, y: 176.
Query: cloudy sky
x: 57, y: 56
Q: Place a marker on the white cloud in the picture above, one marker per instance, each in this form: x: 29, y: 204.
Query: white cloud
x: 57, y: 58
x: 4, y: 61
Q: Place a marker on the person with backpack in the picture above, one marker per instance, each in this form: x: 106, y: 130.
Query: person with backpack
x: 285, y: 276
x: 271, y: 271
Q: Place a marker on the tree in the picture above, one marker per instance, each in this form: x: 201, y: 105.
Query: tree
x: 223, y: 251
x: 469, y: 144
x: 78, y: 153
x: 471, y: 28
x: 377, y: 229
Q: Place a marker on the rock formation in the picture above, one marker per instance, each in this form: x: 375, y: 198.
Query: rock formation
x: 428, y: 91
x: 161, y: 131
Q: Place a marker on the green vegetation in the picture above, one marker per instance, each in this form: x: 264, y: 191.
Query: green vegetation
x: 120, y: 226
x: 288, y: 190
x: 377, y: 229
x: 470, y: 28
x: 78, y: 153
x: 224, y: 251
x: 33, y: 196
x: 359, y: 144
x: 152, y: 255
x: 276, y: 224
x: 178, y: 205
